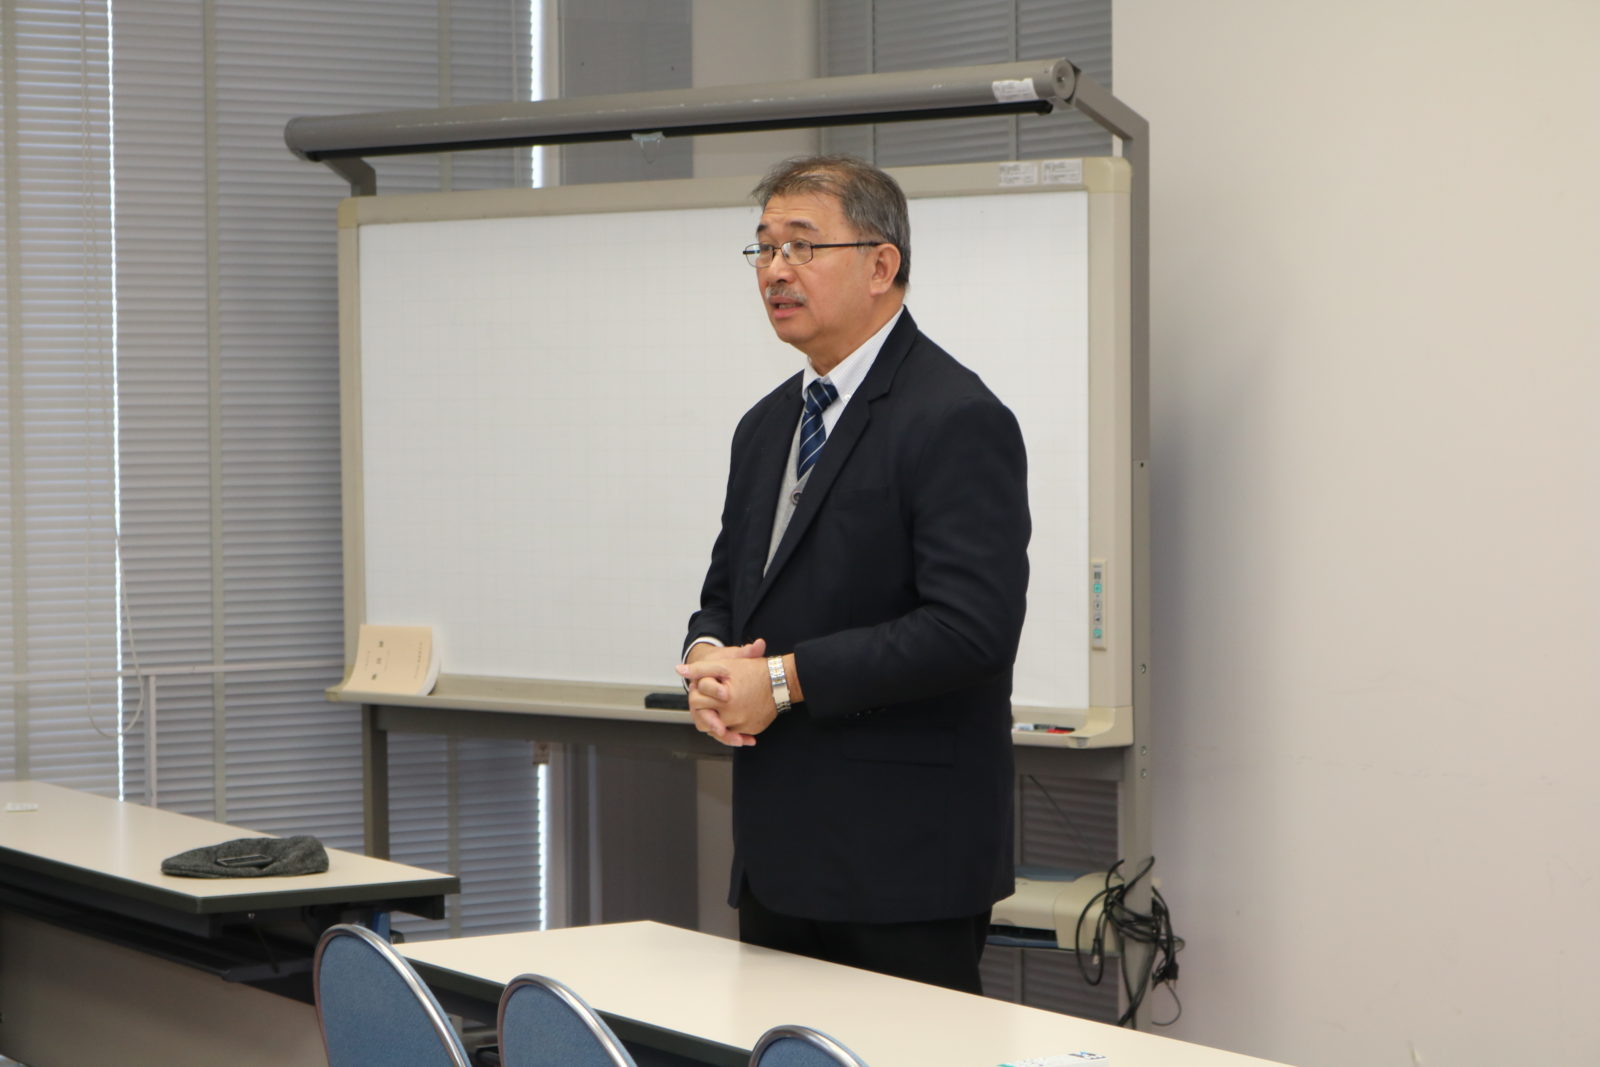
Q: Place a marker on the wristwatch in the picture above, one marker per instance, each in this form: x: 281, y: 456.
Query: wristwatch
x: 780, y: 683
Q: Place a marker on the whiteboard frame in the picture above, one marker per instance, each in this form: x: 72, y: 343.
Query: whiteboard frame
x: 1114, y: 412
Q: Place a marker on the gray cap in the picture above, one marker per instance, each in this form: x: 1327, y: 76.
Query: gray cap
x: 250, y: 857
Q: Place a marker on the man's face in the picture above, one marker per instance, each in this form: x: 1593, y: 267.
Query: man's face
x: 824, y: 307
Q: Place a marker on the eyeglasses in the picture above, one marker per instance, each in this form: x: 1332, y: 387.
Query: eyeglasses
x: 796, y: 252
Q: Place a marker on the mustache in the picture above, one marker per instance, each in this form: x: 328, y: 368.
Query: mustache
x: 779, y: 292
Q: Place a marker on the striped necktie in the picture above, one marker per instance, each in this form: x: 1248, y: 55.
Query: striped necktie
x: 819, y: 394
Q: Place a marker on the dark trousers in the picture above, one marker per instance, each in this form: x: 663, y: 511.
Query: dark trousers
x: 941, y: 952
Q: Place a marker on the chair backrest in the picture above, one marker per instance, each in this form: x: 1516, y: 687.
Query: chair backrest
x: 373, y: 1009
x: 545, y: 1024
x: 801, y: 1046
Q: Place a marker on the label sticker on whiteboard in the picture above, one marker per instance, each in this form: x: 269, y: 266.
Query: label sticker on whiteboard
x: 1023, y: 173
x: 1063, y: 171
x: 1011, y: 90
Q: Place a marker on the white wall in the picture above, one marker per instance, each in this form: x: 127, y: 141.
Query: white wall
x: 1376, y: 367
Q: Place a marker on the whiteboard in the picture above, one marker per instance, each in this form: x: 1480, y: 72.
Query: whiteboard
x: 545, y: 401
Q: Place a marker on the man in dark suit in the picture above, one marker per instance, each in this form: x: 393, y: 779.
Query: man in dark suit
x: 860, y: 617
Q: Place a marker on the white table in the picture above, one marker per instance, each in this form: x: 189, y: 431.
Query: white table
x: 104, y: 959
x: 710, y: 998
x: 99, y: 851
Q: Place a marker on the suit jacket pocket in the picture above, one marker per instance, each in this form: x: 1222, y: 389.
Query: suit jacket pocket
x: 867, y: 740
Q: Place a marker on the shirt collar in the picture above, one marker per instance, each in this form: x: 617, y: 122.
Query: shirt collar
x: 849, y: 372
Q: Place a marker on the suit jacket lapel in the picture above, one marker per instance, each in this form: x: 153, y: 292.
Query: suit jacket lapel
x: 760, y: 493
x: 835, y: 453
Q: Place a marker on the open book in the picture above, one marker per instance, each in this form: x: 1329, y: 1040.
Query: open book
x: 400, y: 660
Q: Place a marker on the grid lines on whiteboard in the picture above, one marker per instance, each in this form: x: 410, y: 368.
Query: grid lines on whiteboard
x: 547, y: 404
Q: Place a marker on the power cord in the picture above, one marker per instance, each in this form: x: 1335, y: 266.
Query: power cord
x: 1152, y: 928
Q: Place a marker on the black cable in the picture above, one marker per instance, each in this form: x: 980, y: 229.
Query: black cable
x: 1153, y: 928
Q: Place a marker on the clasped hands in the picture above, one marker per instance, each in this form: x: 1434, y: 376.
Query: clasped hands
x: 730, y: 691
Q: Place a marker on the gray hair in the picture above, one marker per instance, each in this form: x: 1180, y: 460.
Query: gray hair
x: 872, y: 201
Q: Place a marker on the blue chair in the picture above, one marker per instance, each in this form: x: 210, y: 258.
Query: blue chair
x: 545, y: 1024
x: 801, y: 1046
x: 373, y: 1009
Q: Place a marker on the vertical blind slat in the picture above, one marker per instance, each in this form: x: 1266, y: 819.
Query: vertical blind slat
x: 182, y: 387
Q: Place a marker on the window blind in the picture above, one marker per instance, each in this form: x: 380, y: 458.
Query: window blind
x: 871, y: 36
x: 167, y: 306
x: 58, y: 606
x: 231, y: 433
x: 625, y: 46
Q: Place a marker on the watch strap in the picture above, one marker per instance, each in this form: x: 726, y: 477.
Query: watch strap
x: 780, y: 683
